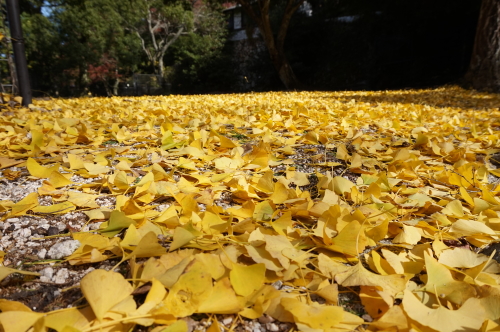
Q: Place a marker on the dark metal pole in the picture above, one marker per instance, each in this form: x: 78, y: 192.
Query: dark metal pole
x: 16, y: 33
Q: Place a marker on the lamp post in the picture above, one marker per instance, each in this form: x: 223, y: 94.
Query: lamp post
x: 16, y: 34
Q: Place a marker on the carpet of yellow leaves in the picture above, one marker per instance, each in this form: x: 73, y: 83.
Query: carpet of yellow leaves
x: 391, y: 195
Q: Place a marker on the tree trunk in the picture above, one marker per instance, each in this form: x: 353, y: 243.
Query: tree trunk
x: 288, y: 77
x: 275, y: 46
x: 161, y: 70
x: 280, y: 63
x: 116, y: 86
x: 484, y: 68
x: 13, y: 74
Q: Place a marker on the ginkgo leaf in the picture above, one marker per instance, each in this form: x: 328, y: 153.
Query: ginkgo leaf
x: 222, y: 299
x: 357, y: 275
x: 464, y: 227
x: 461, y: 258
x: 75, y: 161
x: 315, y: 315
x: 18, y: 321
x: 64, y: 207
x: 246, y: 279
x: 82, y: 199
x: 58, y: 180
x: 75, y: 318
x: 330, y: 293
x: 38, y: 170
x: 148, y: 246
x: 263, y: 211
x: 178, y: 326
x: 350, y: 241
x: 469, y: 317
x: 182, y: 236
x: 7, y: 162
x: 260, y: 255
x: 21, y: 207
x: 103, y: 290
x: 393, y: 318
x: 410, y: 235
x: 215, y: 327
x: 441, y: 283
x: 155, y: 296
x: 117, y: 222
x: 454, y: 209
x: 5, y: 271
x: 96, y: 169
x: 187, y: 294
x: 342, y: 185
x: 330, y: 267
x: 318, y: 316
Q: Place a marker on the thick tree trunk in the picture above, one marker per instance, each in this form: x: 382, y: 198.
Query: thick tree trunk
x: 484, y: 68
x: 275, y: 45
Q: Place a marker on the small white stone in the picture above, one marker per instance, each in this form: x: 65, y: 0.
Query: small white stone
x: 41, y: 254
x: 48, y: 272
x: 272, y: 327
x: 25, y: 232
x: 45, y: 279
x: 256, y: 327
x: 226, y: 321
x: 61, y: 276
x: 277, y: 284
x: 367, y: 318
x: 61, y: 226
x: 63, y: 249
x: 95, y: 225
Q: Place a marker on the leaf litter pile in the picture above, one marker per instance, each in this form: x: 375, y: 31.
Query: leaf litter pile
x: 311, y: 211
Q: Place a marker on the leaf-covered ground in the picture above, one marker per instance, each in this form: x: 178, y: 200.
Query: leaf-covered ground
x: 277, y: 206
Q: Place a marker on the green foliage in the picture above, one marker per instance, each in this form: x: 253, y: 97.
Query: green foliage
x: 75, y: 44
x: 198, y: 59
x: 72, y: 37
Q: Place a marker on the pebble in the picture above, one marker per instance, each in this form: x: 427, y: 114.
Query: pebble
x: 277, y: 284
x: 46, y: 274
x: 256, y: 327
x: 42, y: 253
x: 63, y: 249
x: 52, y: 231
x: 61, y: 276
x: 61, y: 226
x: 226, y: 321
x: 367, y: 318
x: 272, y: 327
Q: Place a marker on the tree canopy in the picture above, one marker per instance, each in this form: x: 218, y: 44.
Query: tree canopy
x: 73, y: 44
